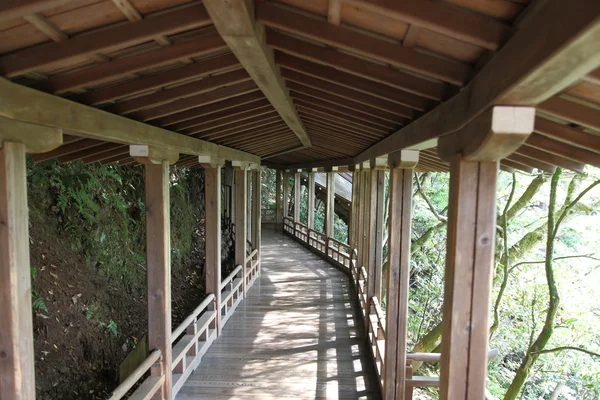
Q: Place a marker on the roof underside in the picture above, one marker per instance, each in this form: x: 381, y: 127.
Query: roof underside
x: 356, y: 72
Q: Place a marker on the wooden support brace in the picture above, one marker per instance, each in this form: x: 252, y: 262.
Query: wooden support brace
x: 17, y: 377
x: 212, y: 195
x: 401, y: 174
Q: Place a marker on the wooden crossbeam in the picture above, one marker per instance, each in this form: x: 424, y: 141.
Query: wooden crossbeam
x: 571, y: 111
x: 365, y: 45
x: 121, y: 67
x: 563, y: 54
x: 105, y: 40
x: 28, y: 105
x: 235, y: 23
x: 566, y: 134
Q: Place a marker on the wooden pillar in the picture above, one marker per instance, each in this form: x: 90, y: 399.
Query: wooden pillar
x: 401, y: 183
x: 212, y: 195
x: 17, y: 377
x: 241, y: 202
x: 473, y: 153
x: 330, y: 210
x: 297, y: 187
x: 278, y: 202
x: 249, y: 189
x: 286, y: 194
x: 376, y: 225
x: 311, y: 200
x: 356, y: 175
x: 256, y: 217
x: 363, y: 217
x: 158, y: 253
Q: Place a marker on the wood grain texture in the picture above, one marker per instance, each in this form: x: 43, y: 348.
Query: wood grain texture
x: 158, y: 244
x: 212, y: 194
x: 311, y: 201
x: 17, y: 376
x: 468, y: 279
x: 241, y: 218
x: 296, y: 336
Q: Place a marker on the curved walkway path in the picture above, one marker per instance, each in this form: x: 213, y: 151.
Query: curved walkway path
x: 296, y: 336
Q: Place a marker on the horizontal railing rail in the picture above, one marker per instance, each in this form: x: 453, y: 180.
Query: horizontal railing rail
x: 231, y: 293
x: 376, y: 333
x: 191, y: 339
x: 339, y: 252
x: 148, y: 388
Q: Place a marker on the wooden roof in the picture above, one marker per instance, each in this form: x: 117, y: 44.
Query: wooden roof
x: 315, y: 82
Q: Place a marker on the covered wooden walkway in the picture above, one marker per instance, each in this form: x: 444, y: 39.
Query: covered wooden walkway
x: 297, y: 335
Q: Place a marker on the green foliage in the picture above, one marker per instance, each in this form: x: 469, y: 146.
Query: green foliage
x: 37, y: 302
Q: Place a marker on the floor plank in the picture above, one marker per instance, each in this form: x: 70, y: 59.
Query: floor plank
x: 296, y: 336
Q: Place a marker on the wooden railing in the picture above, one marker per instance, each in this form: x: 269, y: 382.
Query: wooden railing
x: 252, y: 268
x: 231, y: 293
x: 338, y: 252
x: 268, y: 216
x: 146, y: 390
x: 376, y: 333
x: 317, y: 240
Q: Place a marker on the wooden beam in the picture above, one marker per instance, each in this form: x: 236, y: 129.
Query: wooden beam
x: 442, y: 18
x: 241, y: 221
x: 122, y: 67
x: 362, y: 44
x: 563, y: 150
x: 468, y: 279
x: 280, y: 153
x: 27, y: 105
x: 212, y: 196
x: 15, y: 9
x: 572, y: 112
x: 334, y: 12
x: 375, y: 232
x: 235, y: 22
x: 16, y: 342
x: 567, y: 53
x: 104, y: 41
x: 565, y: 134
x: 553, y: 159
x: 356, y: 66
x: 158, y: 80
x: 400, y: 214
x: 159, y: 267
x: 238, y: 113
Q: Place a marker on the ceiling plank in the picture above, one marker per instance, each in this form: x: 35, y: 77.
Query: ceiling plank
x: 443, y: 18
x: 572, y: 112
x: 566, y: 134
x: 124, y: 66
x: 554, y: 56
x: 365, y: 45
x: 169, y: 77
x: 356, y: 66
x: 353, y: 82
x: 14, y: 9
x: 105, y: 40
x: 235, y: 23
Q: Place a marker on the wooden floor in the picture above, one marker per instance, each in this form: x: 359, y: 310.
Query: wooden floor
x: 296, y: 336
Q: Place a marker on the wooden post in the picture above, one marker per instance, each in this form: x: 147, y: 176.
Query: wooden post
x: 401, y: 174
x: 356, y: 175
x: 17, y: 377
x: 241, y: 201
x: 286, y: 194
x: 297, y: 187
x: 212, y: 195
x: 311, y: 200
x: 158, y: 253
x: 249, y: 189
x: 375, y: 266
x: 256, y: 218
x: 471, y: 239
x: 278, y: 203
x: 330, y: 210
x: 363, y: 215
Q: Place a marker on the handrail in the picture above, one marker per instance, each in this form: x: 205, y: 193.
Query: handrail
x: 435, y: 357
x: 132, y: 379
x: 251, y: 255
x: 379, y: 313
x: 190, y: 318
x: 230, y: 277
